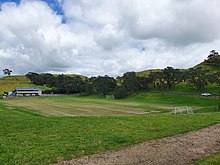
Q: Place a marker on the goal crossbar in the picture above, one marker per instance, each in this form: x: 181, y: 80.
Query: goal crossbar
x: 183, y: 109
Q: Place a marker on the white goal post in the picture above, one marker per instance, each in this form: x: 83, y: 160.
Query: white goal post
x: 183, y: 109
x: 110, y: 97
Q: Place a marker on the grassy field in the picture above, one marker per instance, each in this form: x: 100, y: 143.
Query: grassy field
x: 9, y: 83
x: 32, y: 135
x: 95, y: 106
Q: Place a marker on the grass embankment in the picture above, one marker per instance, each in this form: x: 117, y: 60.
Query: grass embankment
x: 27, y: 137
x: 9, y: 83
x: 183, y: 88
x: 212, y: 160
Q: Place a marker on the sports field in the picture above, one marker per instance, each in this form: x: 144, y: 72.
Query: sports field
x: 96, y: 106
x: 45, y: 130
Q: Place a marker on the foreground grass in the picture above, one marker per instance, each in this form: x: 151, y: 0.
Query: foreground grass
x: 29, y: 138
x: 212, y: 160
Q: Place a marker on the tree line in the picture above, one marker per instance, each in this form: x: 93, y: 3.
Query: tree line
x: 125, y: 85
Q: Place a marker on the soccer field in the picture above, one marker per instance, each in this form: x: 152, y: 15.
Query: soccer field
x: 31, y: 135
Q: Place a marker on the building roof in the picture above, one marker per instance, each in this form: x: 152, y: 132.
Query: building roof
x: 28, y: 89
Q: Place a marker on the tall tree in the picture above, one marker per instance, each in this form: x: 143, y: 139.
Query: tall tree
x: 214, y: 78
x: 197, y: 78
x: 104, y: 84
x: 155, y: 79
x: 130, y: 81
x: 170, y: 77
x: 7, y: 72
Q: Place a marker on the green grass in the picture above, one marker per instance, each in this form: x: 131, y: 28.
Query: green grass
x: 72, y: 75
x: 27, y: 137
x: 184, y: 88
x: 146, y: 73
x: 9, y: 83
x: 211, y: 160
x: 199, y: 104
x: 138, y: 104
x: 206, y: 66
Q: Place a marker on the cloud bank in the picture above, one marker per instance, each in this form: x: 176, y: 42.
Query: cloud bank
x: 106, y: 37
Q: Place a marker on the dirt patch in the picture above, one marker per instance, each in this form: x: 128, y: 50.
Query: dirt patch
x: 181, y: 149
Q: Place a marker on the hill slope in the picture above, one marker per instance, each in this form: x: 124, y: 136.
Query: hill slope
x: 211, y: 64
x: 145, y: 73
x: 9, y: 83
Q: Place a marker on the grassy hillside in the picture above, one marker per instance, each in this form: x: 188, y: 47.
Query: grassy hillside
x: 211, y: 69
x: 72, y: 75
x: 212, y: 64
x: 145, y: 73
x: 9, y: 83
x: 183, y: 88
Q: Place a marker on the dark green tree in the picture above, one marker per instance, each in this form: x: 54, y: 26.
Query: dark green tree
x: 214, y: 78
x: 154, y: 78
x: 130, y: 81
x: 7, y: 72
x: 120, y: 92
x: 197, y: 78
x: 143, y: 83
x: 170, y: 77
x: 104, y: 84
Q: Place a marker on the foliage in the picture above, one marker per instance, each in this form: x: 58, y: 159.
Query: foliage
x: 120, y: 92
x: 7, y: 72
x: 130, y: 82
x: 104, y: 84
x: 166, y: 78
x: 170, y: 77
x: 214, y: 78
x: 197, y: 78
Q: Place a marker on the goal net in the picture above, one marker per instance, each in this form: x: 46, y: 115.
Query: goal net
x: 183, y: 110
x: 110, y: 97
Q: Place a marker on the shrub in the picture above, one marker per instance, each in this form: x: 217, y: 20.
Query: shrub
x: 120, y: 92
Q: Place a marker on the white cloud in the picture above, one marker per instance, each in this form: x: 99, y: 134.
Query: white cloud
x: 107, y: 37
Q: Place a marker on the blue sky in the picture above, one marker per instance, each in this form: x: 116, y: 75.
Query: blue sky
x: 99, y: 37
x: 52, y: 3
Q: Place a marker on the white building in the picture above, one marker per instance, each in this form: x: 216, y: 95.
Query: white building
x: 28, y: 92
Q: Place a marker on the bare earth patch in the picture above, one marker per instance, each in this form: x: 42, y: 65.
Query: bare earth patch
x: 181, y: 149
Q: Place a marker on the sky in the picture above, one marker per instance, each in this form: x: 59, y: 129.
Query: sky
x: 102, y: 37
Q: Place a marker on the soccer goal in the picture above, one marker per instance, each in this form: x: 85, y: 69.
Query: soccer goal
x: 183, y: 110
x: 110, y: 97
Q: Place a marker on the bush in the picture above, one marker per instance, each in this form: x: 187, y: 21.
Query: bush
x: 120, y: 92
